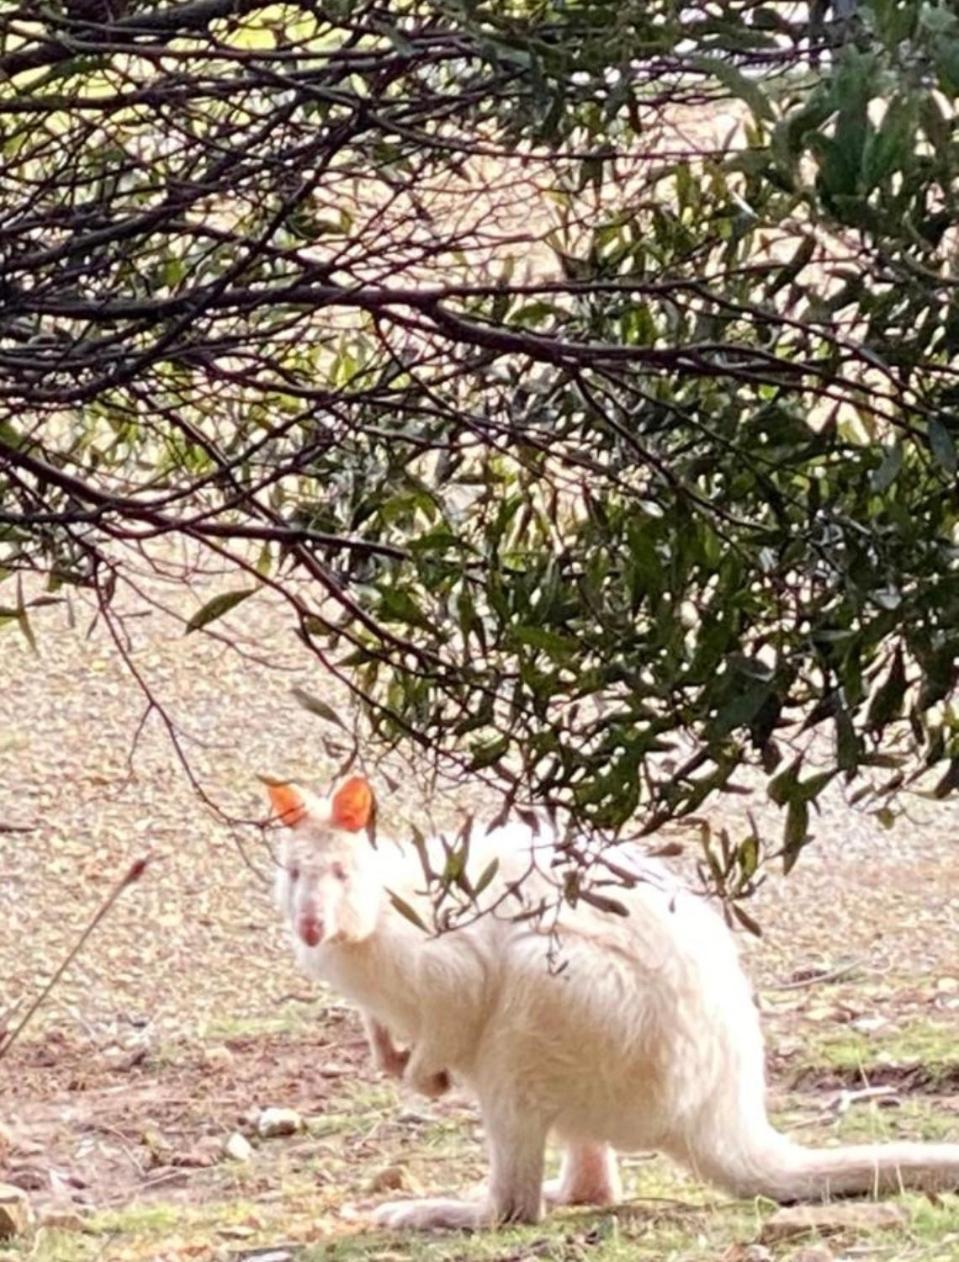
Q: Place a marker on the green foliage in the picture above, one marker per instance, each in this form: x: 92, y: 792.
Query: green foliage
x: 604, y: 504
x: 217, y: 607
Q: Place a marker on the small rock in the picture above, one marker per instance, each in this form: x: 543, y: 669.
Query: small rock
x: 237, y: 1147
x: 410, y: 1117
x: 28, y: 1178
x: 60, y: 1219
x: 122, y: 1058
x: 236, y: 1231
x: 218, y: 1056
x: 901, y: 1063
x: 337, y: 1071
x: 207, y: 1151
x: 824, y: 1220
x: 159, y: 1148
x: 738, y: 1252
x: 170, y: 1176
x: 192, y: 1160
x: 394, y: 1178
x: 16, y: 1214
x: 869, y: 1025
x: 273, y: 1123
x: 826, y: 1012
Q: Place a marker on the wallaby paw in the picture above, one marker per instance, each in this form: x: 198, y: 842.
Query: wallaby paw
x: 557, y: 1193
x: 554, y: 1192
x: 438, y: 1212
x: 431, y: 1085
x: 588, y: 1176
x: 392, y: 1063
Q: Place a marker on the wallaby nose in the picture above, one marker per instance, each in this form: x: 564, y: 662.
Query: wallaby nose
x: 310, y: 930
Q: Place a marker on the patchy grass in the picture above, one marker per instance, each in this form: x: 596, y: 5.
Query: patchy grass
x: 310, y: 1192
x: 300, y: 1016
x: 644, y: 1230
x: 936, y: 1222
x: 925, y: 1052
x: 910, y: 1117
x: 566, y: 1238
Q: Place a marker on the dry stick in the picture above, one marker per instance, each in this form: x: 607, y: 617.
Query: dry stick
x: 7, y: 1017
x: 818, y: 979
x: 133, y: 874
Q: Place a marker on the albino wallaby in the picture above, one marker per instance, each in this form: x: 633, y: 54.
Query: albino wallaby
x: 647, y: 1039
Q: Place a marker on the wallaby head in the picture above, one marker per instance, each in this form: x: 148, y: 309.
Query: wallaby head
x: 325, y: 882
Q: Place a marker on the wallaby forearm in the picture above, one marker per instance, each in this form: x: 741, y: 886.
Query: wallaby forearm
x: 412, y: 1065
x: 387, y: 1057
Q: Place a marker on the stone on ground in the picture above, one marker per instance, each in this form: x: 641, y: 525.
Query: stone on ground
x: 273, y: 1123
x: 16, y: 1214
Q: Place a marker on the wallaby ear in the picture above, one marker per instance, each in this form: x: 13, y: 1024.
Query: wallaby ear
x: 288, y: 803
x: 352, y: 805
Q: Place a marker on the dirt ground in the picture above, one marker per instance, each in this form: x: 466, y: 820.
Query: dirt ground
x: 183, y: 1017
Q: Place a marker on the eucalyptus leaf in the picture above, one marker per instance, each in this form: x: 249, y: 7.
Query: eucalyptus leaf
x: 216, y: 608
x: 317, y: 706
x: 942, y: 445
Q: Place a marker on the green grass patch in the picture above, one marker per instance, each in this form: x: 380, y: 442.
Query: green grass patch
x: 930, y: 1048
x: 913, y: 1117
x: 292, y: 1018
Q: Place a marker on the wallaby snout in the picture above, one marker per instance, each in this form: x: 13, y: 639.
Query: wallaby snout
x: 309, y: 928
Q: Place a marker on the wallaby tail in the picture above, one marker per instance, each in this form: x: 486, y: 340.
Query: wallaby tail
x: 776, y: 1167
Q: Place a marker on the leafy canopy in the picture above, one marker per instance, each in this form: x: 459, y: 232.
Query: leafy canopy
x: 593, y: 363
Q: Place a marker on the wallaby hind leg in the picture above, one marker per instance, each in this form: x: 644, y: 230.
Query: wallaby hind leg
x: 516, y: 1142
x: 589, y: 1175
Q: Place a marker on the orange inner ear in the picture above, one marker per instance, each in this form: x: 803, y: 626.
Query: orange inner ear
x: 353, y: 804
x: 287, y: 803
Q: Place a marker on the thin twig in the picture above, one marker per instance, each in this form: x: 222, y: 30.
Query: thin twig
x: 133, y: 874
x: 817, y: 979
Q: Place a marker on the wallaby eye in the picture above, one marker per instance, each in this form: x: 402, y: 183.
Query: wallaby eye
x: 294, y: 873
x: 339, y: 871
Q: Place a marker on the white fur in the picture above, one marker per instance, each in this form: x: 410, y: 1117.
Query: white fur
x: 647, y: 1039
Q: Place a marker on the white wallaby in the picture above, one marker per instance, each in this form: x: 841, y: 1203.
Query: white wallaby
x: 648, y: 1038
